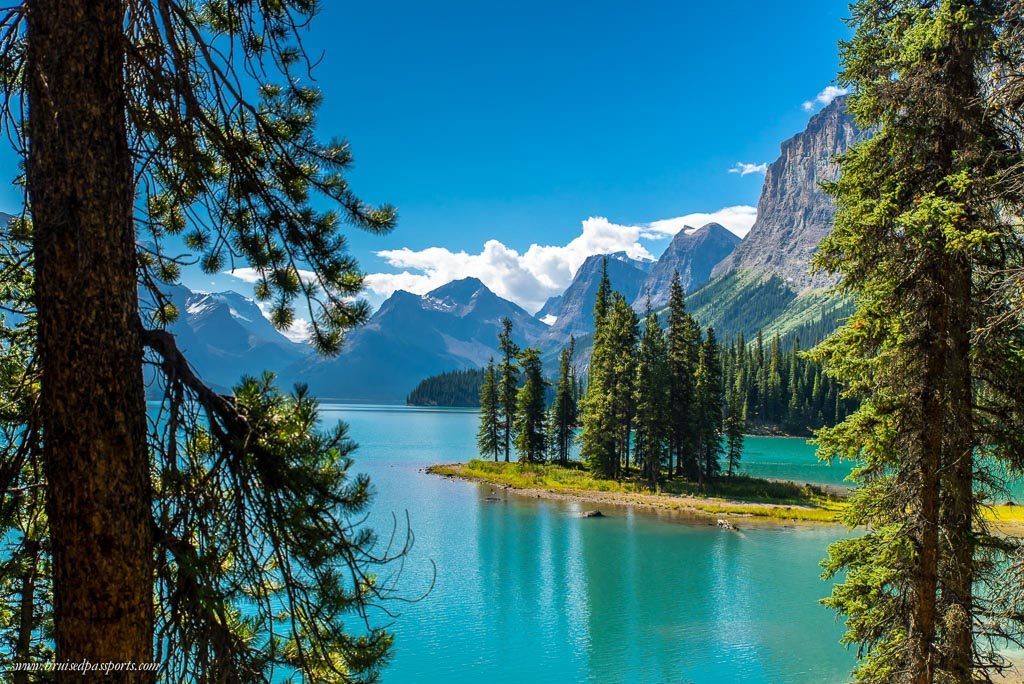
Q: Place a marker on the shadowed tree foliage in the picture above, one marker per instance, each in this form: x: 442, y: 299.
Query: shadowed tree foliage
x: 563, y: 417
x: 508, y: 383
x: 529, y: 426
x: 157, y: 135
x: 653, y: 399
x: 489, y: 434
x: 735, y: 423
x: 709, y: 394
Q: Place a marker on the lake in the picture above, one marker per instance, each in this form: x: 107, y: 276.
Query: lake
x: 524, y: 591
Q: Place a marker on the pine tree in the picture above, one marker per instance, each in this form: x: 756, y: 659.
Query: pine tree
x: 921, y: 246
x: 622, y: 326
x: 489, y: 435
x: 774, y: 391
x: 563, y: 409
x: 607, y: 407
x: 508, y: 383
x: 683, y: 346
x: 652, y: 400
x: 735, y: 425
x: 168, y: 154
x: 529, y: 426
x: 602, y: 301
x: 710, y: 410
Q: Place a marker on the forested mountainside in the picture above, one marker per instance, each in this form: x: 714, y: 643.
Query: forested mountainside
x: 745, y: 302
x: 766, y: 283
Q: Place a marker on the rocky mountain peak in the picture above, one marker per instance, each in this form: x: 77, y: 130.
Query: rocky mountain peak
x: 794, y: 213
x: 572, y: 313
x: 693, y: 253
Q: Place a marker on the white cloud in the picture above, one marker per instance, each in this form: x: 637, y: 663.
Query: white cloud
x: 542, y: 271
x: 300, y: 330
x: 737, y: 219
x: 745, y: 168
x: 825, y: 97
x: 527, y: 279
x: 251, y: 275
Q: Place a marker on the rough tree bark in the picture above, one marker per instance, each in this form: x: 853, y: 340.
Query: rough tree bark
x: 956, y: 574
x: 94, y: 422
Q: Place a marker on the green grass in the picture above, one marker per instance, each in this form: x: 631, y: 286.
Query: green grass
x: 1010, y: 516
x: 741, y: 495
x: 737, y: 496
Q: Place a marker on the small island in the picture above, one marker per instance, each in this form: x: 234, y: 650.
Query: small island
x: 738, y: 496
x: 755, y: 500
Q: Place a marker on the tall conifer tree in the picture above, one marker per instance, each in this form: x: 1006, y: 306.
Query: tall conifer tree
x: 709, y: 392
x: 921, y: 244
x: 601, y: 410
x: 564, y: 409
x: 602, y: 301
x: 489, y: 434
x: 529, y: 427
x: 735, y: 424
x: 141, y: 143
x: 508, y: 382
x: 622, y: 324
x: 683, y: 345
x: 652, y: 400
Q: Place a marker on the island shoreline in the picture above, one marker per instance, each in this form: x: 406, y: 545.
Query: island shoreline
x: 706, y: 510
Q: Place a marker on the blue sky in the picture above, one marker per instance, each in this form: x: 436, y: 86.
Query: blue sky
x: 515, y: 122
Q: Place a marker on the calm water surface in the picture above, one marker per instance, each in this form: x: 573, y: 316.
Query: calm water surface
x: 526, y: 592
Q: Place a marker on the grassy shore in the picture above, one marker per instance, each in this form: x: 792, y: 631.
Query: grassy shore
x: 739, y: 496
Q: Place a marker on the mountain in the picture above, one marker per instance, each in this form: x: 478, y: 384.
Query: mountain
x: 766, y: 284
x: 411, y: 337
x: 794, y: 213
x: 225, y: 336
x: 693, y: 253
x: 573, y: 310
x: 549, y: 312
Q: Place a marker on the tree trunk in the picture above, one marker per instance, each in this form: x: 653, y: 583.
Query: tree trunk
x: 93, y: 403
x: 26, y: 618
x: 508, y: 434
x: 956, y: 572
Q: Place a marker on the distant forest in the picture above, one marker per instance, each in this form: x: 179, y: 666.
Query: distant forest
x: 453, y: 388
x: 784, y: 392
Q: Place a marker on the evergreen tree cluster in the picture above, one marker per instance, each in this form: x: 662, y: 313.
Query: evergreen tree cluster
x: 779, y: 388
x: 654, y: 398
x: 514, y: 398
x: 666, y: 401
x: 452, y: 388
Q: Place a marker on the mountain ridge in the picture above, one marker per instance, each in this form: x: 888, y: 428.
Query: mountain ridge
x: 794, y: 213
x: 694, y: 255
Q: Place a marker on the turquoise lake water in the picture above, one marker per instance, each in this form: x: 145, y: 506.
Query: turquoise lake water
x: 524, y: 591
